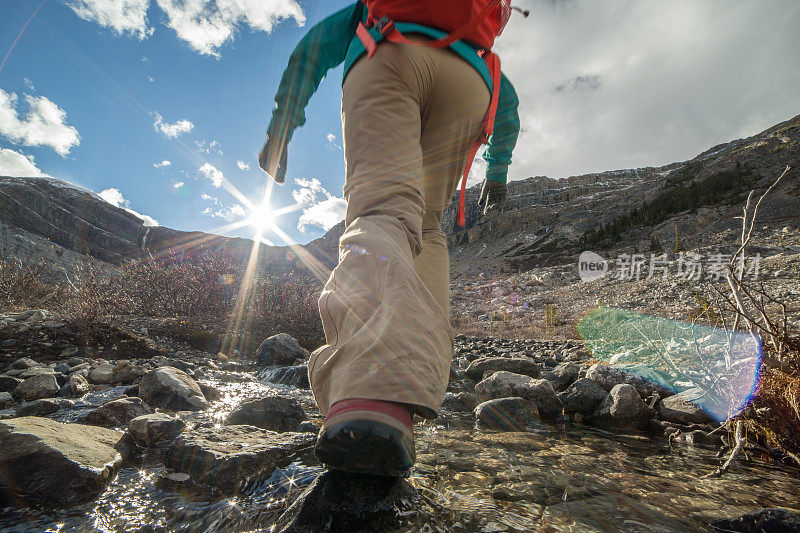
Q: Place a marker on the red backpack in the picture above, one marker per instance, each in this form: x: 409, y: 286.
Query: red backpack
x: 476, y: 21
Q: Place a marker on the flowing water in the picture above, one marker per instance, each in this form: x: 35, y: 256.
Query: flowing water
x: 563, y: 478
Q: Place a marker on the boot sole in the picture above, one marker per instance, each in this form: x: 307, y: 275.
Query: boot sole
x: 366, y: 447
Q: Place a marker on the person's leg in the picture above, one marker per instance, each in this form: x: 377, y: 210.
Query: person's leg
x: 452, y: 119
x: 388, y: 336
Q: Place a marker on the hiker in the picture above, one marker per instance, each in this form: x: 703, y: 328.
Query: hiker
x: 421, y: 90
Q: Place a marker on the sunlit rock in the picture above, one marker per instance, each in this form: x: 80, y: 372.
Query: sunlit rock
x: 60, y: 465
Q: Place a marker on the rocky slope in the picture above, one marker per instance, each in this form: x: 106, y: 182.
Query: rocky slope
x: 545, y: 218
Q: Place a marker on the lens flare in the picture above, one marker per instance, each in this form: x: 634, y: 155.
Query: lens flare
x: 713, y: 368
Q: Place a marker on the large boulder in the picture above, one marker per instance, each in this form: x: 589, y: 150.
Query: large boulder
x: 46, y: 462
x: 225, y: 457
x: 274, y: 413
x: 482, y: 366
x: 117, y: 413
x: 460, y: 401
x: 508, y: 414
x: 37, y: 387
x: 680, y: 409
x: 582, y: 397
x: 6, y: 400
x: 623, y: 408
x: 281, y: 350
x: 563, y: 375
x: 610, y: 376
x: 507, y: 384
x: 167, y: 387
x: 154, y: 429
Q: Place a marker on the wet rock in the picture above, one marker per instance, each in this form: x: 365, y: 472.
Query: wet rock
x: 211, y: 393
x: 37, y: 387
x: 8, y: 383
x: 153, y: 429
x: 225, y: 457
x: 43, y: 407
x: 169, y: 388
x: 102, y: 374
x: 582, y: 397
x: 281, y: 350
x: 78, y: 385
x: 338, y: 501
x: 6, y: 400
x: 133, y: 390
x: 563, y: 375
x: 460, y: 401
x: 60, y: 465
x: 126, y: 372
x: 508, y: 414
x: 610, y: 376
x: 518, y: 365
x: 295, y: 376
x: 680, y: 409
x: 623, y: 408
x: 117, y: 413
x: 765, y: 521
x: 274, y: 413
x: 507, y: 384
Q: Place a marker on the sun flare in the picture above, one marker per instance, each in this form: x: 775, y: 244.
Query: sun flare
x: 262, y: 218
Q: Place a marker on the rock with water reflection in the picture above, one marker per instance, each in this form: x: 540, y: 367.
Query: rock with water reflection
x: 508, y: 414
x: 339, y: 501
x: 275, y: 413
x: 765, y: 521
x: 60, y: 465
x: 37, y: 387
x: 169, y: 388
x: 225, y: 458
x: 507, y: 384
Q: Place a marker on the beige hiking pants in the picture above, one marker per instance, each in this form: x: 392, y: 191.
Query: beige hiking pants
x: 410, y: 115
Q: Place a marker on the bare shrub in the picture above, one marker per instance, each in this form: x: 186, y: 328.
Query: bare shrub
x: 23, y: 283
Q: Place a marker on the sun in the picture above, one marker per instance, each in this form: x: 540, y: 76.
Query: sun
x: 262, y: 218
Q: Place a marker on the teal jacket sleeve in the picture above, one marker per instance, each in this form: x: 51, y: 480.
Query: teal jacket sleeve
x: 323, y: 48
x: 506, y: 131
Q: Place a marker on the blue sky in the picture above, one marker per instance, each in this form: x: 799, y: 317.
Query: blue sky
x: 103, y: 92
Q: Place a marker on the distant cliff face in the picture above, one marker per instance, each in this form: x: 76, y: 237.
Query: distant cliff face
x: 70, y: 218
x: 545, y: 217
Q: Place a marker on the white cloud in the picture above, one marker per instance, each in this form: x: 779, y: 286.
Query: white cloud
x: 208, y: 147
x: 151, y: 79
x: 115, y: 198
x: 207, y: 24
x: 172, y: 130
x: 219, y: 210
x: 163, y: 164
x: 242, y: 165
x: 624, y: 84
x: 18, y: 165
x: 320, y: 208
x: 178, y: 185
x: 122, y: 16
x: 213, y: 173
x: 43, y: 125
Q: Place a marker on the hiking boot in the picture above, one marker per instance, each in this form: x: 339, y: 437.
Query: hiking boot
x: 367, y: 437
